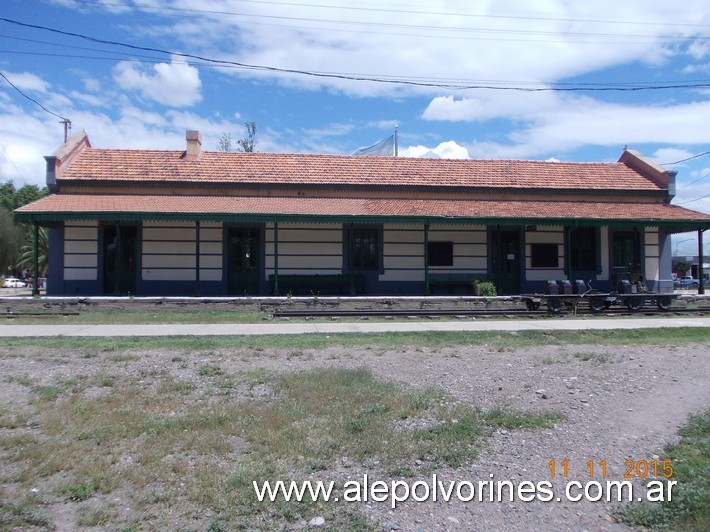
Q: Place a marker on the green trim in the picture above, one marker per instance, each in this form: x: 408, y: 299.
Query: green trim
x: 35, y: 260
x: 680, y: 225
x: 276, y: 257
x: 426, y: 258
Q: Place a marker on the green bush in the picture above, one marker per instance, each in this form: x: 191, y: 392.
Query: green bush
x: 484, y: 288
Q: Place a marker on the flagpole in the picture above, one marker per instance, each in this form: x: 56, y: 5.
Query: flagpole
x: 396, y: 141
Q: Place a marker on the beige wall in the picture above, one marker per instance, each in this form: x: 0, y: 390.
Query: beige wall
x: 81, y: 251
x: 652, y: 252
x: 169, y: 251
x: 305, y: 249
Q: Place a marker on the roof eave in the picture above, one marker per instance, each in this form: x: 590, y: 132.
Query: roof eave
x: 44, y: 217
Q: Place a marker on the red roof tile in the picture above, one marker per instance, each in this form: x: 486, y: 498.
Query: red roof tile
x: 67, y: 205
x: 106, y: 165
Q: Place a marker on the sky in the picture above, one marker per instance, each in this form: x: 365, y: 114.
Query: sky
x: 505, y: 79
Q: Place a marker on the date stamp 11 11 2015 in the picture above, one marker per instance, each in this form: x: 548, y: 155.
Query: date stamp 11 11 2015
x: 601, y: 469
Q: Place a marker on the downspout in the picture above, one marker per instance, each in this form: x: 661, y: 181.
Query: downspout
x: 426, y: 259
x: 276, y: 257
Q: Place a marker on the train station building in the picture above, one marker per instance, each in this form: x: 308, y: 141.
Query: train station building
x: 190, y: 222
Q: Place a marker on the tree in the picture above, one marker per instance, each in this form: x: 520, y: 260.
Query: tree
x: 681, y: 267
x: 26, y: 260
x: 246, y: 144
x: 12, y: 234
x: 225, y: 142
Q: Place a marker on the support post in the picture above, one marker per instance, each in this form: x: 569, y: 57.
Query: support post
x: 568, y: 253
x: 118, y: 261
x: 701, y: 280
x: 396, y: 141
x: 276, y: 257
x: 35, y: 277
x: 426, y: 259
x: 198, y: 290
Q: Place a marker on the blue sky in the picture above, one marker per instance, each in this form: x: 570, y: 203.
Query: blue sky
x: 334, y: 76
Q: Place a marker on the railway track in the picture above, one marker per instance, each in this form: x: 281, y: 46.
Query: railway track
x: 504, y: 313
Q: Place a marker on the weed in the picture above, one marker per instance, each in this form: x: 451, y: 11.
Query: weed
x: 47, y: 393
x: 597, y: 358
x: 105, y: 381
x: 513, y: 419
x: 689, y: 509
x: 24, y: 513
x: 79, y: 490
x: 94, y: 517
x: 23, y: 380
x: 209, y: 370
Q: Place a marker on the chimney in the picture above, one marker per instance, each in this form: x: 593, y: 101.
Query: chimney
x: 194, y: 144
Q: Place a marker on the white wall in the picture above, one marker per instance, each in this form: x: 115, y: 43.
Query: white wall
x: 652, y: 254
x: 81, y: 251
x: 169, y: 251
x: 305, y: 249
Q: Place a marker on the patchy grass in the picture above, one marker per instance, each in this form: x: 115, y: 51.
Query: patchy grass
x: 596, y: 358
x: 514, y: 419
x: 133, y: 317
x: 500, y: 340
x: 690, y: 507
x: 166, y: 444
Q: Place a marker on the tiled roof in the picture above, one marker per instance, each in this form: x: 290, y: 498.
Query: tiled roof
x: 105, y: 165
x: 67, y: 205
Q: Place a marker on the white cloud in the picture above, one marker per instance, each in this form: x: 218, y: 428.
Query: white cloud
x: 525, y: 40
x: 669, y: 155
x: 445, y: 150
x: 176, y: 84
x: 564, y: 122
x: 699, y: 49
x: 27, y: 81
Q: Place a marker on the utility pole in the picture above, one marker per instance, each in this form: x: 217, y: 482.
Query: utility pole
x: 67, y: 127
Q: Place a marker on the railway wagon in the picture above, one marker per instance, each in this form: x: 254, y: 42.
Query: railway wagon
x: 563, y: 294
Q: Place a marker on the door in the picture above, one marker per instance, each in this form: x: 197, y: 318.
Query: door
x: 243, y: 256
x: 505, y: 260
x: 120, y: 243
x: 625, y: 254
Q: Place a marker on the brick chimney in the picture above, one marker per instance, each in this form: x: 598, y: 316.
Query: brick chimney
x: 194, y: 144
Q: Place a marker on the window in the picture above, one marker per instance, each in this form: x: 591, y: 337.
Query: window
x: 543, y: 256
x: 441, y: 253
x: 583, y: 248
x: 364, y: 248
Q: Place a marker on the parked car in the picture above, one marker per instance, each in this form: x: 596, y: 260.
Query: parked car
x: 686, y: 282
x: 13, y: 282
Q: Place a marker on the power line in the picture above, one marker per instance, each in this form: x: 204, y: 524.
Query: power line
x: 449, y: 32
x: 32, y: 99
x: 693, y: 182
x: 402, y: 11
x: 692, y: 200
x: 448, y: 29
x: 458, y: 85
x: 688, y: 159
